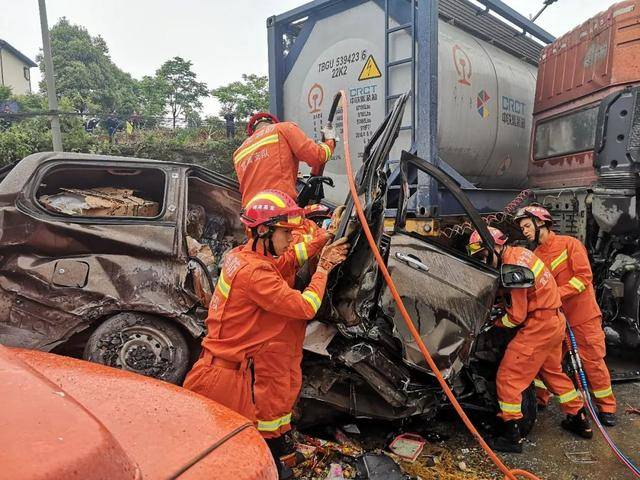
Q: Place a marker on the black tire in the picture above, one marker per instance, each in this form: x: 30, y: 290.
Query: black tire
x: 529, y: 410
x: 140, y: 343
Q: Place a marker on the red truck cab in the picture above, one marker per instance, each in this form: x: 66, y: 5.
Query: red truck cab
x: 576, y: 72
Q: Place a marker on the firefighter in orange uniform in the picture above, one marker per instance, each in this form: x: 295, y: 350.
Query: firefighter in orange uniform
x: 536, y: 347
x: 252, y: 303
x: 271, y: 156
x: 568, y: 261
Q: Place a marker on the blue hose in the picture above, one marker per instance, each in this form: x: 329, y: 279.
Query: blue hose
x: 584, y: 387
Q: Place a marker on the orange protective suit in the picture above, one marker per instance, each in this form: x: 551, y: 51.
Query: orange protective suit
x: 278, y: 374
x: 568, y: 261
x: 537, y: 346
x: 251, y: 305
x: 269, y: 159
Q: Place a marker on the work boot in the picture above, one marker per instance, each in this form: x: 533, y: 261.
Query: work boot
x: 277, y: 447
x: 607, y: 419
x: 510, y: 441
x: 578, y: 424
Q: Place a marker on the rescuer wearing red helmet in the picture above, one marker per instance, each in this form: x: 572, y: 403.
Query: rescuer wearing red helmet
x: 536, y: 348
x: 568, y: 261
x: 252, y: 303
x: 270, y: 157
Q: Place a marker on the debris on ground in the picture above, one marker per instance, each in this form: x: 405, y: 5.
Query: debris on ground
x: 632, y: 410
x: 581, y: 457
x: 100, y: 202
x: 408, y: 456
x: 407, y: 446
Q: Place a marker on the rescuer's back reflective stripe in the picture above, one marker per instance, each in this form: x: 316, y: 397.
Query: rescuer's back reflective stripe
x: 537, y: 268
x: 243, y: 153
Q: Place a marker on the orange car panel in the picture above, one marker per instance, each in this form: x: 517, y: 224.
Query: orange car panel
x: 160, y: 426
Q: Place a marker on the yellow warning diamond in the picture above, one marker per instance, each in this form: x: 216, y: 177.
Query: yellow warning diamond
x: 370, y: 70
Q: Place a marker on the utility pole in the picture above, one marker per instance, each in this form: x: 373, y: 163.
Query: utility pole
x: 51, y: 82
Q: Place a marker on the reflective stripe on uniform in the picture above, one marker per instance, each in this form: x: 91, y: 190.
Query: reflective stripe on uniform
x: 238, y: 157
x: 301, y: 253
x: 539, y: 384
x: 603, y: 393
x: 273, y: 425
x: 510, y: 407
x: 577, y: 284
x: 327, y: 151
x: 223, y: 286
x: 560, y: 260
x: 307, y: 238
x: 537, y: 268
x: 268, y: 196
x: 567, y: 397
x: 505, y: 321
x: 313, y: 299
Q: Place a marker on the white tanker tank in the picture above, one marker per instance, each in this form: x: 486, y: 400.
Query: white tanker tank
x: 485, y: 95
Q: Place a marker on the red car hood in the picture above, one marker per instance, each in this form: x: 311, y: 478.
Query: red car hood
x: 66, y: 418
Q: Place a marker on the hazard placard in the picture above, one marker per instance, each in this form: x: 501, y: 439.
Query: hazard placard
x: 370, y: 70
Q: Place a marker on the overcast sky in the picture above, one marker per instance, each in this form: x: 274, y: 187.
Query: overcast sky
x: 223, y: 39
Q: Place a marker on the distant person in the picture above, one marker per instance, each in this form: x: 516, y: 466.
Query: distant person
x: 112, y: 125
x: 91, y: 124
x: 6, y: 119
x: 230, y: 125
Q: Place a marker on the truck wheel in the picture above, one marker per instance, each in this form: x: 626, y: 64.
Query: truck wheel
x: 142, y: 344
x: 529, y: 410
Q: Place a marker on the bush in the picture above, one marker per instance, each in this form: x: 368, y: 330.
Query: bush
x: 205, y: 145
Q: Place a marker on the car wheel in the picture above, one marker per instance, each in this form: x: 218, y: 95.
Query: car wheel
x: 529, y: 410
x: 142, y: 344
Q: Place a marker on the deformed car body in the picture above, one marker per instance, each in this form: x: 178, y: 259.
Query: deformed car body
x: 64, y: 418
x: 131, y: 277
x: 125, y: 281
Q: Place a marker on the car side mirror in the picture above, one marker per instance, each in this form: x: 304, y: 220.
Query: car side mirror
x: 516, y: 276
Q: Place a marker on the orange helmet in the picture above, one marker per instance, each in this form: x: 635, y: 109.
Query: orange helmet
x: 272, y: 208
x: 534, y: 211
x: 260, y: 117
x: 476, y: 244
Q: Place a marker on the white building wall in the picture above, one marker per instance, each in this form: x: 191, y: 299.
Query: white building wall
x: 13, y: 73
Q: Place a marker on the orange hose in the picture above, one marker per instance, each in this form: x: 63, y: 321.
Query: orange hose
x: 510, y: 474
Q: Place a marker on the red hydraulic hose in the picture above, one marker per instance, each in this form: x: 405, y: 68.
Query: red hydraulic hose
x: 510, y: 474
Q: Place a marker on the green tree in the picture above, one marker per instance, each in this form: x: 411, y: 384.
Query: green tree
x: 184, y: 92
x: 5, y: 93
x: 153, y: 92
x: 85, y: 73
x: 243, y: 98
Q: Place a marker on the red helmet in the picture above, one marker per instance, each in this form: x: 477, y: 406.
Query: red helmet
x: 272, y: 208
x: 316, y: 210
x: 476, y: 243
x: 533, y: 211
x: 258, y: 117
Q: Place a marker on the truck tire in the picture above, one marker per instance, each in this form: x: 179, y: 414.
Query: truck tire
x: 140, y: 343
